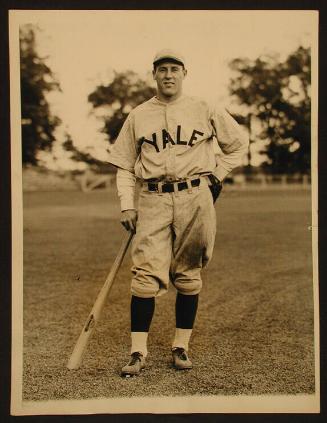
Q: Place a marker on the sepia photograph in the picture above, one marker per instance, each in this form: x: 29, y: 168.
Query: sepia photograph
x: 164, y: 211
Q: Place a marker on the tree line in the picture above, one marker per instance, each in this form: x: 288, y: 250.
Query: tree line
x: 274, y: 96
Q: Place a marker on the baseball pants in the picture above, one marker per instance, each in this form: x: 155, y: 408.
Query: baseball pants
x: 174, y: 240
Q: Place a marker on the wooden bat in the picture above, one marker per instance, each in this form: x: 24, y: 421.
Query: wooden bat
x: 77, y: 355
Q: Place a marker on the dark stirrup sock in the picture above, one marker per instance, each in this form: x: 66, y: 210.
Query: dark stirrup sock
x: 186, y: 308
x: 142, y: 310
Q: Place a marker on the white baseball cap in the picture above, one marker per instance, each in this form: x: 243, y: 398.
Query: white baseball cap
x: 169, y: 54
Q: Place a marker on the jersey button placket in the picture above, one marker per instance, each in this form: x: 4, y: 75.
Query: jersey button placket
x: 171, y: 153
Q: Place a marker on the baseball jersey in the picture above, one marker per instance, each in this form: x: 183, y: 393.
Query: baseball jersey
x: 172, y: 141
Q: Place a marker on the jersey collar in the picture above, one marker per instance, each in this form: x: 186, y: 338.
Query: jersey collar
x: 155, y: 100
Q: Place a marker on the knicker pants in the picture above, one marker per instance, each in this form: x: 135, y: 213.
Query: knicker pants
x: 174, y: 240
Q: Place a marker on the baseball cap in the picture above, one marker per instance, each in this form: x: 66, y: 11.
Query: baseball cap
x: 169, y: 54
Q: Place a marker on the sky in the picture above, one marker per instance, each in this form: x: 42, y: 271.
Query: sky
x: 83, y: 47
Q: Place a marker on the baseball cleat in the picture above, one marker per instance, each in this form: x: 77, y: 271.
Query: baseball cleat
x: 135, y: 365
x: 180, y: 359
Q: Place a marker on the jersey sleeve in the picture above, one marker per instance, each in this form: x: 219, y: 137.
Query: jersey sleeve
x: 126, y: 189
x: 230, y: 135
x: 232, y: 140
x: 123, y: 154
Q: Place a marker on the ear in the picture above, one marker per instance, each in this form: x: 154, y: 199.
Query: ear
x: 185, y: 72
x: 154, y: 74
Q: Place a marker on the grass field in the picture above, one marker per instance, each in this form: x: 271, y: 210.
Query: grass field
x: 254, y: 329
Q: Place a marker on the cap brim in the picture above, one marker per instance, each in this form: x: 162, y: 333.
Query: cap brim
x: 168, y: 59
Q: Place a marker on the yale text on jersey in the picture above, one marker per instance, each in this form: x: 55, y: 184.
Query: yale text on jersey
x: 160, y: 143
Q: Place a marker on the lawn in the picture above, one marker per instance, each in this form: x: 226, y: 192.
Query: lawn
x: 254, y: 329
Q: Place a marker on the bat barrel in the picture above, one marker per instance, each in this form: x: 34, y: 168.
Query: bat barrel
x: 76, y: 357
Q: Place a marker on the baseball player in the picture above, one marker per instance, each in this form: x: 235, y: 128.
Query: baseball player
x: 168, y: 144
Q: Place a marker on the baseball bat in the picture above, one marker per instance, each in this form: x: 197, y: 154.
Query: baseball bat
x: 76, y: 357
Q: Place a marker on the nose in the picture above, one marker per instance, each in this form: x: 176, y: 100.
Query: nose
x: 169, y: 74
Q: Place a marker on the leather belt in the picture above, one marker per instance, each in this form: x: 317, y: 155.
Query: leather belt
x: 169, y: 186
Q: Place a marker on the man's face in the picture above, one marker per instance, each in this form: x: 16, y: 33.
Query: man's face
x: 169, y: 77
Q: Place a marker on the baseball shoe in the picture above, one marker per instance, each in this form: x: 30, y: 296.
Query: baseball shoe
x: 135, y: 365
x: 180, y: 359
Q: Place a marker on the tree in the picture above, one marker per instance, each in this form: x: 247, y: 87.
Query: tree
x: 80, y: 156
x: 278, y: 96
x: 119, y: 97
x: 36, y: 78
